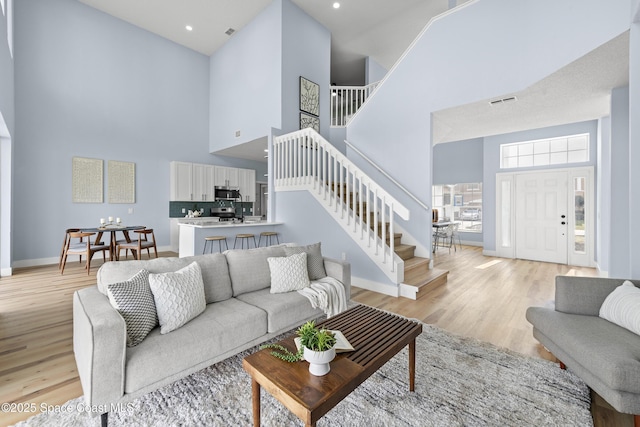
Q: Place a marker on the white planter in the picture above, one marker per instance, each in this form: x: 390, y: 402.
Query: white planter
x: 319, y: 360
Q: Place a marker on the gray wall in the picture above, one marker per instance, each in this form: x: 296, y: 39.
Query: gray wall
x: 246, y: 82
x: 634, y: 139
x: 619, y: 186
x: 6, y: 77
x: 91, y: 85
x: 444, y: 69
x: 373, y: 72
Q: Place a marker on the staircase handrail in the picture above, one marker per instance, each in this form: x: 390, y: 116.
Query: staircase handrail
x: 304, y: 160
x: 389, y: 177
x: 399, y: 208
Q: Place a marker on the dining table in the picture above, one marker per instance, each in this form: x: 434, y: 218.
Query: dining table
x: 112, y: 229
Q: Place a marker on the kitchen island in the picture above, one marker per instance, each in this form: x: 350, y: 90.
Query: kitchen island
x: 192, y: 235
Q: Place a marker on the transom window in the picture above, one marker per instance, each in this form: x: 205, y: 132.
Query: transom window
x: 545, y: 152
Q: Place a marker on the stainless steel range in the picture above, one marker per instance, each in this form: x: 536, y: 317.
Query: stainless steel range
x: 224, y: 213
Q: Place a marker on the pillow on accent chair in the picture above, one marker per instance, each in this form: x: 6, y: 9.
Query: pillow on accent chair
x: 288, y: 273
x: 179, y: 296
x: 134, y: 301
x: 315, y: 262
x: 622, y: 307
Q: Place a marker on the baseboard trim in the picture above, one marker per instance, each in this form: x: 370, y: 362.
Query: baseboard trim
x: 6, y: 272
x: 489, y: 253
x: 375, y: 286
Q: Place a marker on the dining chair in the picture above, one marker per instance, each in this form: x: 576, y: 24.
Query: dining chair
x: 456, y: 235
x: 82, y: 247
x: 124, y: 241
x: 146, y: 240
x: 64, y: 244
x: 444, y: 237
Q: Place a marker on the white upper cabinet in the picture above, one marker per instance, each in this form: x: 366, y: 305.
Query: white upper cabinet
x: 181, y: 181
x: 247, y: 179
x: 203, y: 182
x: 226, y: 177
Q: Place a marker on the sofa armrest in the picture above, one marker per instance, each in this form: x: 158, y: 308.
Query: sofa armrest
x: 340, y: 270
x: 99, y: 345
x: 584, y: 295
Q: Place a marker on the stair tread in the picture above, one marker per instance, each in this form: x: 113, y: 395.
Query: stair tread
x: 425, y: 278
x: 414, y: 262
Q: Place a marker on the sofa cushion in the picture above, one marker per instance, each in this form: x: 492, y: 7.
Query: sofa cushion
x: 284, y: 311
x: 249, y: 269
x: 179, y: 296
x: 222, y: 327
x: 288, y: 273
x: 134, y: 301
x: 622, y: 307
x: 215, y: 273
x: 315, y: 261
x: 607, y: 351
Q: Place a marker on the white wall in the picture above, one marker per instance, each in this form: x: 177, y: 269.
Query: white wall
x: 634, y: 140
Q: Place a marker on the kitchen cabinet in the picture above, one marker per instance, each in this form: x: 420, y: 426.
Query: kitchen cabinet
x: 203, y: 178
x: 192, y: 182
x: 247, y: 184
x: 181, y: 181
x: 226, y: 177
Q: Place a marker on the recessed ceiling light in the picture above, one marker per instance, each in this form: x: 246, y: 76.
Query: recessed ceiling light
x: 336, y: 5
x: 189, y: 28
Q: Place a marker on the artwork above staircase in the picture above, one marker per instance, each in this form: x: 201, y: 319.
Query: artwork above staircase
x: 304, y: 161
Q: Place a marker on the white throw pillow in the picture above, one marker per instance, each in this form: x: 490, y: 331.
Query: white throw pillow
x: 134, y: 301
x: 288, y: 273
x: 622, y: 307
x: 179, y: 296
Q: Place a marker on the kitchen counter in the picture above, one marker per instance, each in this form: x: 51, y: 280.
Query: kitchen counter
x: 192, y: 234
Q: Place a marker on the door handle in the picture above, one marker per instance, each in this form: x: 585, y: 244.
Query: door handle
x: 563, y: 216
x: 563, y: 223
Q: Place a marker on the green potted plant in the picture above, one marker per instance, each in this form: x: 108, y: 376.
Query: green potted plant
x: 317, y: 346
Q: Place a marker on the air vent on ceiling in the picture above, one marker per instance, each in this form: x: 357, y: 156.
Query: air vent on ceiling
x: 230, y: 31
x: 503, y: 100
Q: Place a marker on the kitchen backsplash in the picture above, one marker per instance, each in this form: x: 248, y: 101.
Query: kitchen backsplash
x: 175, y: 208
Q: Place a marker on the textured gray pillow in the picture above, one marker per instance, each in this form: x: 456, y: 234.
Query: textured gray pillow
x: 249, y: 269
x: 315, y: 262
x: 134, y: 301
x: 179, y: 296
x: 288, y: 273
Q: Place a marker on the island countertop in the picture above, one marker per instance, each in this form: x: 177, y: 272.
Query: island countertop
x: 192, y: 235
x: 225, y: 224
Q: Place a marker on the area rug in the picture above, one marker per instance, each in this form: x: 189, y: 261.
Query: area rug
x: 459, y: 382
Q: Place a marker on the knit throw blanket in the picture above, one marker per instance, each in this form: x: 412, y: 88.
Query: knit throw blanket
x: 327, y: 294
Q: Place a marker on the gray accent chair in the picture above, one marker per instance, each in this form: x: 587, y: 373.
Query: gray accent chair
x: 605, y: 355
x: 240, y: 313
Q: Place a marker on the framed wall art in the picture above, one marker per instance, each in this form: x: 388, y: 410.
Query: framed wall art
x: 309, y: 121
x: 309, y: 97
x: 122, y: 182
x: 86, y: 180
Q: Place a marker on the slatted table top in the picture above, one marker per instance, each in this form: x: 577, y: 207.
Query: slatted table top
x: 376, y: 335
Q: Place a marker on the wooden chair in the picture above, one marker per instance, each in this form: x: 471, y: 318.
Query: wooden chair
x: 82, y: 247
x: 136, y: 246
x: 64, y: 244
x: 124, y: 241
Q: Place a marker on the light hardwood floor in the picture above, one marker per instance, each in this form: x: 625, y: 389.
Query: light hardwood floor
x: 484, y: 298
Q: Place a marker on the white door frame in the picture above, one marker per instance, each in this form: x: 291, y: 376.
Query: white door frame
x: 506, y: 209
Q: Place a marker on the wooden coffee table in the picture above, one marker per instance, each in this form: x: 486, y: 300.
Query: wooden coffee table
x: 377, y: 336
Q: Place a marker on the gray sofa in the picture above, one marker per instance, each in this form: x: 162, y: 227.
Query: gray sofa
x: 240, y: 313
x: 605, y: 355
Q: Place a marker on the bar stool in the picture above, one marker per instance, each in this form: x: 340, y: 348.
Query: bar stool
x: 268, y: 236
x: 244, y: 237
x: 213, y: 239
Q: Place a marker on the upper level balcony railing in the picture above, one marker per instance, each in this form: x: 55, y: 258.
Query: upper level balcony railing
x: 347, y: 100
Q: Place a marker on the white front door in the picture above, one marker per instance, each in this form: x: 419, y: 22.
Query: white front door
x: 542, y: 216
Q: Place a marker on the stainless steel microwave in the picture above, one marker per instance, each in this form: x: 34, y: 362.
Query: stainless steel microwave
x: 227, y: 193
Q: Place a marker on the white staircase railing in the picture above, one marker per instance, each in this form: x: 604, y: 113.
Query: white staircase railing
x: 304, y: 160
x: 347, y: 100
